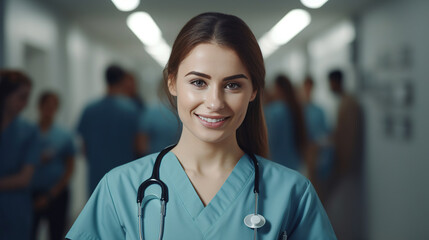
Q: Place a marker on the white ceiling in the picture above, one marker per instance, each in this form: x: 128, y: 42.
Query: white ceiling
x: 104, y: 21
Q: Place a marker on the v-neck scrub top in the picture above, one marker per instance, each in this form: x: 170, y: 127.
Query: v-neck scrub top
x: 287, y: 200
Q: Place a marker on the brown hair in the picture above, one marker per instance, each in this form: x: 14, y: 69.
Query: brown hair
x: 10, y: 81
x: 232, y: 32
x: 291, y: 100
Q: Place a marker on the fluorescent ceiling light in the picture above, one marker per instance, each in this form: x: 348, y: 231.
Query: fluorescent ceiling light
x: 145, y: 28
x: 126, y: 5
x: 313, y: 3
x: 336, y: 38
x: 160, y: 52
x: 286, y: 29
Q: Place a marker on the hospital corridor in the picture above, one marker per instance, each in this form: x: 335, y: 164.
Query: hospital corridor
x: 312, y: 113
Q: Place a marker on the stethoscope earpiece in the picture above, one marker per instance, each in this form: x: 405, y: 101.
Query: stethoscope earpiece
x: 254, y: 221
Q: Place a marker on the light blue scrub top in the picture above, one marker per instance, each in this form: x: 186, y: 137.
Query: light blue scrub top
x: 281, y: 139
x: 287, y: 200
x: 108, y: 127
x: 317, y: 129
x: 59, y: 145
x: 18, y: 147
x: 161, y: 126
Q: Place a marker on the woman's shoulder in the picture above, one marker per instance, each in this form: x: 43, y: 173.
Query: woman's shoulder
x: 138, y: 169
x: 275, y: 173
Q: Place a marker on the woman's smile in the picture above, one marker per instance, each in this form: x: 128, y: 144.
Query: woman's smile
x: 212, y: 121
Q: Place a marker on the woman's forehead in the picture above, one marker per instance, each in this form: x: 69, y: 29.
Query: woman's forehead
x: 212, y: 58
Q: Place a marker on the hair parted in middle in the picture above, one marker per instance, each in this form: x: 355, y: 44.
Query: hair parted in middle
x: 231, y: 32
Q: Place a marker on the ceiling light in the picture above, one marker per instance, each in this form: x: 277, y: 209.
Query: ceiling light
x: 145, y: 28
x: 313, y: 3
x: 126, y: 5
x: 286, y: 29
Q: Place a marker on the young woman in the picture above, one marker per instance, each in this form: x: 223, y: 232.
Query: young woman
x: 208, y: 182
x: 53, y: 171
x: 18, y: 155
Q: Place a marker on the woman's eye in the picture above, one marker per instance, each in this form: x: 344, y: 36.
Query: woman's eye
x: 198, y: 83
x: 232, y: 85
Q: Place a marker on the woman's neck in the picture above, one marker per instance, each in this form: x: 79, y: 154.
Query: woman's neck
x: 203, y: 157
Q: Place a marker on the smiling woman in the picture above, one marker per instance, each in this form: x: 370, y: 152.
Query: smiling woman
x: 212, y: 177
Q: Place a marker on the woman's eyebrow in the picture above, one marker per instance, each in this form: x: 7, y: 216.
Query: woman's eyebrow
x: 209, y: 77
x: 235, y: 77
x: 198, y: 74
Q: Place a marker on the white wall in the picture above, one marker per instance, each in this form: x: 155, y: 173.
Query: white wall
x: 2, y: 25
x: 393, y: 48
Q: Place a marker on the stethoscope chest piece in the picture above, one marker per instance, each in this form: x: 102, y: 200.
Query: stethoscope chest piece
x: 254, y: 221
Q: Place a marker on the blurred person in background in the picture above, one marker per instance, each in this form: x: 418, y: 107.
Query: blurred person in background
x: 346, y: 199
x: 131, y: 90
x: 319, y: 151
x: 285, y: 124
x: 109, y: 127
x: 19, y: 152
x: 52, y: 176
x: 159, y: 125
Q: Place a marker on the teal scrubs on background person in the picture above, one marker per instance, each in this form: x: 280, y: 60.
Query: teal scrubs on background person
x: 161, y: 127
x: 281, y: 143
x: 318, y: 132
x: 287, y: 201
x: 315, y: 122
x: 108, y: 128
x: 57, y: 144
x: 19, y: 146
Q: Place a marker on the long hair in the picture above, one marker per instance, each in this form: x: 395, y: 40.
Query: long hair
x: 229, y: 31
x: 289, y: 97
x: 10, y: 81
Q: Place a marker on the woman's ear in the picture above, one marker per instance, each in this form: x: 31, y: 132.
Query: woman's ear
x: 172, y: 86
x: 253, y: 96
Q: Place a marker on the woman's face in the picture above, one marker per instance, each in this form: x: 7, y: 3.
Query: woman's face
x: 49, y: 107
x: 213, y: 89
x: 17, y: 101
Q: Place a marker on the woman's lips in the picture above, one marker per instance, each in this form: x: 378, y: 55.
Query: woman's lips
x: 212, y: 121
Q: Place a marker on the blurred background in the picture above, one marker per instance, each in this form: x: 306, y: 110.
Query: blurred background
x: 381, y: 48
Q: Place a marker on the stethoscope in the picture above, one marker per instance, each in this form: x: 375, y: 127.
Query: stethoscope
x: 253, y: 220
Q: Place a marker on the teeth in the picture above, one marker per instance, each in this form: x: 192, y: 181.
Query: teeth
x: 212, y: 120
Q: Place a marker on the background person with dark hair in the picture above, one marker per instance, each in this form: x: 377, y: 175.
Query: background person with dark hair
x: 346, y: 198
x: 18, y: 155
x: 286, y: 126
x: 53, y: 171
x: 109, y: 127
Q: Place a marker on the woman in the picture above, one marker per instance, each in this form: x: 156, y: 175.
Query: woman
x: 53, y: 172
x: 18, y: 155
x: 214, y: 77
x: 286, y: 125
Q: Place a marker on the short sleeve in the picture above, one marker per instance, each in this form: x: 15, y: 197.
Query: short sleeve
x: 98, y: 219
x: 70, y: 146
x: 311, y: 221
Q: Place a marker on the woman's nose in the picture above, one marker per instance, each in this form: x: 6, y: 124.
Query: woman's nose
x: 215, y: 99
